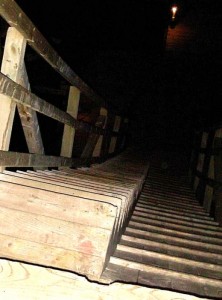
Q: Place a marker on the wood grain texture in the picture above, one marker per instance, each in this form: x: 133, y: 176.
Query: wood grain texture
x: 26, y: 282
x: 12, y: 65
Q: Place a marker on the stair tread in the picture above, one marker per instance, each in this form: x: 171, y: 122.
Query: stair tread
x: 154, y: 276
x: 177, y: 251
x: 173, y: 240
x: 169, y: 262
x: 156, y: 212
x: 182, y: 226
x: 179, y: 213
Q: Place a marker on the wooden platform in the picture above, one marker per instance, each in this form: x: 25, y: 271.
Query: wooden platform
x: 68, y: 219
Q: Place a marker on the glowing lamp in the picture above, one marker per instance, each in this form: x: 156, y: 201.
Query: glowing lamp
x: 174, y: 11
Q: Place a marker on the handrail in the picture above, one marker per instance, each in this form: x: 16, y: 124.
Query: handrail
x: 103, y: 140
x: 22, y: 96
x: 14, y: 16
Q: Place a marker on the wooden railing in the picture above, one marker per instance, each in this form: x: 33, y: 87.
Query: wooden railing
x: 206, y: 170
x: 103, y: 140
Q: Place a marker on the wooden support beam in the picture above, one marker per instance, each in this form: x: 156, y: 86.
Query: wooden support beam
x: 69, y: 132
x: 13, y: 14
x: 98, y: 147
x: 17, y: 159
x: 12, y: 61
x: 92, y: 140
x: 29, y: 120
x: 116, y: 128
x: 218, y: 177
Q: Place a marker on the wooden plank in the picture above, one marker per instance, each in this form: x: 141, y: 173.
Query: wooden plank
x: 44, y: 254
x: 177, y: 251
x: 167, y: 213
x: 29, y: 120
x: 55, y: 232
x: 170, y: 262
x: 90, y: 212
x: 172, y: 240
x: 13, y: 14
x: 173, y: 232
x: 12, y: 61
x: 78, y: 182
x: 69, y: 132
x: 18, y: 159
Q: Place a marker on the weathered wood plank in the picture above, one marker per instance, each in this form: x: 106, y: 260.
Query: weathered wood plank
x: 44, y: 254
x: 18, y: 159
x: 13, y: 14
x: 155, y: 276
x: 69, y: 132
x: 170, y: 262
x: 90, y: 212
x: 55, y: 232
x: 29, y: 120
x: 12, y: 61
x: 159, y: 247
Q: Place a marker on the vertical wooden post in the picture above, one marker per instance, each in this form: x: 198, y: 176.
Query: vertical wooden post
x: 98, y: 147
x: 218, y: 177
x: 69, y: 132
x: 12, y: 62
x: 116, y: 128
x: 205, y: 168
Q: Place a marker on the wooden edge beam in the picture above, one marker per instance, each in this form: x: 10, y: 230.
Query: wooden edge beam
x: 17, y: 159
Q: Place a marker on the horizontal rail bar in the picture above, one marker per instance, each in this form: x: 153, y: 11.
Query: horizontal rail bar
x: 17, y: 159
x: 15, y: 17
x: 22, y: 96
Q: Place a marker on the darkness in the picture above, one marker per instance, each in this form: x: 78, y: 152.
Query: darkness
x: 165, y: 75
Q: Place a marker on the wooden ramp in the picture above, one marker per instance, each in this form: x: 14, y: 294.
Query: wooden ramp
x: 68, y: 219
x: 170, y: 241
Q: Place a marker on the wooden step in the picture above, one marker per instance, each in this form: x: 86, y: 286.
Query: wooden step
x: 170, y: 194
x: 174, y: 232
x: 193, y: 254
x: 172, y: 206
x: 154, y: 276
x: 177, y: 225
x: 173, y: 240
x: 172, y: 202
x: 188, y: 214
x: 166, y: 261
x: 155, y: 212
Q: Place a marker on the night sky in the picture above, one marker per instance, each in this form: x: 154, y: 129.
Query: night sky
x: 119, y: 49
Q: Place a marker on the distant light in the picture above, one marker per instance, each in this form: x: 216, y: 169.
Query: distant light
x: 174, y: 11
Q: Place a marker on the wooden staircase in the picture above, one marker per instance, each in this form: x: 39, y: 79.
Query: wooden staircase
x: 170, y: 241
